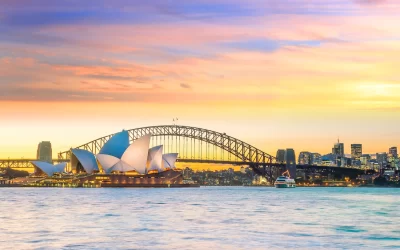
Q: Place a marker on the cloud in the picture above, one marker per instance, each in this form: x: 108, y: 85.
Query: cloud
x: 108, y: 77
x: 185, y: 86
x: 371, y: 1
x: 122, y: 59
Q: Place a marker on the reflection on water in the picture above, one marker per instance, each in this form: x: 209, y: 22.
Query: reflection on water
x: 200, y: 218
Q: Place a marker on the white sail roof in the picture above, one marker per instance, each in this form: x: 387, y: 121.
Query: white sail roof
x: 86, y: 158
x: 116, y: 145
x: 50, y: 169
x: 169, y: 160
x: 60, y: 167
x: 154, y: 159
x: 107, y: 162
x: 136, y: 154
x: 121, y: 166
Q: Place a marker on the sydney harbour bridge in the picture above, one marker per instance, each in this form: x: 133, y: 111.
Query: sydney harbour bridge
x: 198, y: 145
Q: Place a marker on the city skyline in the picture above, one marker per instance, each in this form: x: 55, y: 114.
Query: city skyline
x: 348, y: 153
x: 274, y: 74
x: 199, y: 124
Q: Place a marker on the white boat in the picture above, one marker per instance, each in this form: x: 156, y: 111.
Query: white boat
x: 284, y: 182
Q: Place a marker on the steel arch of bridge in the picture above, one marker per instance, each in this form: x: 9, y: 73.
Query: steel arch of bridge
x: 240, y: 149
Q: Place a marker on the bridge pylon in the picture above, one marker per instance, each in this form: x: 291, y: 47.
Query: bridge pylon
x: 290, y: 159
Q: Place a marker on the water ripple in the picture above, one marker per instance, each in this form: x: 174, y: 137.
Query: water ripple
x: 350, y: 229
x: 202, y: 218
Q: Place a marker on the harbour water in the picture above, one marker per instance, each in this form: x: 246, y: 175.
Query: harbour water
x: 200, y: 218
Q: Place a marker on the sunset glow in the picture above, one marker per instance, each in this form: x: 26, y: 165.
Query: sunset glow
x: 275, y: 74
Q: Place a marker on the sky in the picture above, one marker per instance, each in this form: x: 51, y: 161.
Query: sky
x: 274, y: 73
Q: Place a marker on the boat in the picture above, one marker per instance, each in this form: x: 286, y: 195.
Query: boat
x: 284, y: 182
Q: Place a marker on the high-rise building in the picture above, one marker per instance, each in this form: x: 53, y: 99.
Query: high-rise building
x: 356, y: 151
x: 44, y: 152
x: 381, y: 159
x: 338, y: 149
x: 364, y: 159
x: 393, y: 152
x: 280, y: 155
x: 392, y: 157
x: 305, y: 158
x: 316, y: 159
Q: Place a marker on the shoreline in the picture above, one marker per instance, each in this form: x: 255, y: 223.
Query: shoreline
x: 109, y: 185
x: 104, y: 186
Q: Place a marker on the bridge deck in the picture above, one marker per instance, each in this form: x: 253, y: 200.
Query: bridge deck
x: 24, y: 163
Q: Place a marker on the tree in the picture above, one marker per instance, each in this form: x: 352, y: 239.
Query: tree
x: 380, y: 181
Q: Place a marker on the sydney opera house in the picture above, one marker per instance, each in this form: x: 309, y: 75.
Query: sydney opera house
x: 118, y: 164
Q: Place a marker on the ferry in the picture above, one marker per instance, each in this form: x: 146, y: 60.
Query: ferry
x: 284, y: 182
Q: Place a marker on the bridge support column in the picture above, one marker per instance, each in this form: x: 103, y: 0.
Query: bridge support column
x: 290, y: 159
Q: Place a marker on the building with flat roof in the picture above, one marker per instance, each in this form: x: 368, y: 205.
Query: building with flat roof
x: 280, y: 155
x: 393, y: 152
x: 382, y: 159
x: 356, y: 151
x: 316, y: 159
x: 305, y: 158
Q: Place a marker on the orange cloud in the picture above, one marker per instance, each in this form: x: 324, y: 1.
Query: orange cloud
x: 297, y: 94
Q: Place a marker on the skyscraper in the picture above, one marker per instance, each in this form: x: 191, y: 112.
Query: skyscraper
x: 392, y: 157
x: 44, y: 152
x: 393, y: 152
x: 338, y: 149
x: 382, y: 159
x: 356, y: 151
x: 280, y: 155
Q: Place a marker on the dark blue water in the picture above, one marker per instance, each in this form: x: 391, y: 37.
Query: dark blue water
x: 202, y: 218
